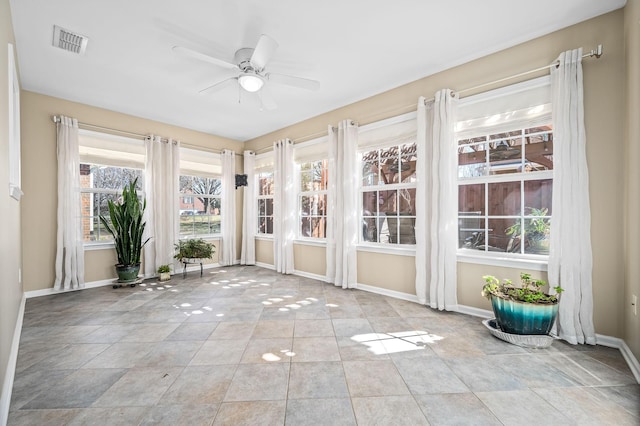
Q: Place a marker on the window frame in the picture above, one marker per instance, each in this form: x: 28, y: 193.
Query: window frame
x: 322, y: 193
x: 265, y: 198
x: 92, y: 245
x: 521, y: 177
x: 193, y: 196
x: 376, y: 188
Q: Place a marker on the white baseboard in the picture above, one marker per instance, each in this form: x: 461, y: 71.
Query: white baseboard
x: 476, y: 312
x: 608, y: 341
x: 386, y: 292
x: 621, y: 345
x: 266, y: 266
x: 49, y: 291
x: 10, y: 372
x: 631, y: 359
x: 602, y: 340
x: 107, y: 282
x: 310, y: 275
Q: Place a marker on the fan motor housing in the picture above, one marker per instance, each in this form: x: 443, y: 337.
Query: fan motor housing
x: 243, y: 59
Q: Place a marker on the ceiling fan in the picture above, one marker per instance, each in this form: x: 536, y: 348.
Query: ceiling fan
x: 251, y: 62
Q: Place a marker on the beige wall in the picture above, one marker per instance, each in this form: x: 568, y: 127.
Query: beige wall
x: 603, y: 82
x: 10, y: 245
x: 632, y: 178
x: 39, y: 179
x: 264, y: 252
x: 311, y: 259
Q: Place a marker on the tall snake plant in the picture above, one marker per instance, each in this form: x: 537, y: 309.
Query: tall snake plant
x: 126, y: 225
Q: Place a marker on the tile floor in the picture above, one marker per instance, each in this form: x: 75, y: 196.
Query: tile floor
x: 247, y: 346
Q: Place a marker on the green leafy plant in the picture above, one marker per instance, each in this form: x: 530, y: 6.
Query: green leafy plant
x: 126, y: 225
x: 194, y: 249
x: 530, y: 291
x: 536, y: 227
x: 163, y: 269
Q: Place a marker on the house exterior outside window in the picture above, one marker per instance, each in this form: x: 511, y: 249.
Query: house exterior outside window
x: 505, y: 144
x: 504, y: 191
x: 312, y: 199
x: 388, y: 194
x: 200, y: 204
x: 108, y: 163
x: 264, y: 179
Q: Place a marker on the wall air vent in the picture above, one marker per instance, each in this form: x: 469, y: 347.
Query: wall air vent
x: 66, y: 40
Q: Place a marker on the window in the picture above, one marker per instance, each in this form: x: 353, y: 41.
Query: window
x: 388, y: 159
x: 505, y: 172
x: 264, y: 179
x: 100, y: 183
x: 108, y: 163
x: 388, y: 194
x: 312, y: 199
x: 200, y: 193
x: 199, y: 206
x: 504, y: 192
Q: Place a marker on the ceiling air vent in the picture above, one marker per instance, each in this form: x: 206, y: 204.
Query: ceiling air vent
x: 66, y: 40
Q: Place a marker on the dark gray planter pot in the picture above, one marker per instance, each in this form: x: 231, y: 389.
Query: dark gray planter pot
x: 127, y: 273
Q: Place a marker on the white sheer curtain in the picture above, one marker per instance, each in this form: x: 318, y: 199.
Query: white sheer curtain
x: 249, y: 212
x: 162, y: 174
x: 570, y: 257
x: 342, y: 211
x: 436, y: 203
x: 228, y: 217
x: 69, y: 243
x: 284, y: 207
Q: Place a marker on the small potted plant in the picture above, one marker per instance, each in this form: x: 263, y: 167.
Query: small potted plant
x: 165, y: 272
x: 193, y: 251
x: 525, y: 310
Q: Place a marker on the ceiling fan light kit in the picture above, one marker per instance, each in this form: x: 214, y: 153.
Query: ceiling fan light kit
x: 251, y: 82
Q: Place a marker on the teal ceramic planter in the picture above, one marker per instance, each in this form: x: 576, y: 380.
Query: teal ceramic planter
x: 524, y: 318
x: 127, y: 273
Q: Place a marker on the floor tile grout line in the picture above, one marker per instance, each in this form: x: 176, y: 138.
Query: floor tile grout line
x: 358, y: 301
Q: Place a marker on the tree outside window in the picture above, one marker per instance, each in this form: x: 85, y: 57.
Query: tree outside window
x: 98, y: 185
x: 200, y: 206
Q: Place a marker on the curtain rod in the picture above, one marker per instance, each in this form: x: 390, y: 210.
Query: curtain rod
x: 56, y: 119
x: 597, y: 53
x: 409, y: 108
x: 301, y: 139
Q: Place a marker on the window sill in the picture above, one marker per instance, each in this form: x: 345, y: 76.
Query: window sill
x: 264, y: 237
x: 99, y: 246
x: 310, y: 242
x: 539, y: 263
x: 397, y: 250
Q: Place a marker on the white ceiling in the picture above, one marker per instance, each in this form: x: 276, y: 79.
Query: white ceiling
x: 355, y: 48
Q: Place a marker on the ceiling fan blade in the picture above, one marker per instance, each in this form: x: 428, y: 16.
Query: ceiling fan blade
x: 202, y: 57
x: 263, y: 52
x: 289, y: 80
x: 217, y: 86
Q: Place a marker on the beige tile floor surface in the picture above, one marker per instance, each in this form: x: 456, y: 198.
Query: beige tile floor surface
x: 247, y: 346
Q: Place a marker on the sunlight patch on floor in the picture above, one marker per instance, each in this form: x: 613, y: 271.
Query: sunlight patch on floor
x: 403, y: 341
